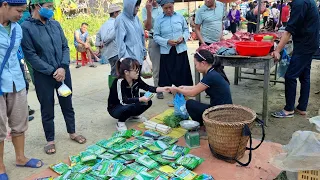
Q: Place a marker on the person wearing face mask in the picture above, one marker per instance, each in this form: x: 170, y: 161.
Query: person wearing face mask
x: 171, y: 32
x: 46, y: 49
x: 13, y: 96
x: 129, y: 33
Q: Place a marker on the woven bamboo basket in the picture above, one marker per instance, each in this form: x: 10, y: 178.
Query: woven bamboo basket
x: 224, y: 126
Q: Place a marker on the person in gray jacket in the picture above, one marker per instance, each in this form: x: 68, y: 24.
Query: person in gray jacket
x: 129, y: 33
x: 46, y: 48
x: 106, y: 41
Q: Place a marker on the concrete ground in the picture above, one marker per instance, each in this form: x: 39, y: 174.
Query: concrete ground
x: 90, y: 95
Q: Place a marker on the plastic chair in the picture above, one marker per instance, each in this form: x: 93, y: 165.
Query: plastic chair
x: 84, y: 60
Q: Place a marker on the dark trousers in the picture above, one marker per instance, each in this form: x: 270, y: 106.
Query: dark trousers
x: 233, y: 27
x: 265, y: 19
x: 299, y: 67
x: 196, y: 109
x: 45, y: 86
x: 251, y: 28
x: 123, y: 112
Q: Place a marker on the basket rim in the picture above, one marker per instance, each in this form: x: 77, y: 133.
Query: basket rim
x: 207, y: 111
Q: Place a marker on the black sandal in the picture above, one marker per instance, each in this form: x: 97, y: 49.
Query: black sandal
x: 49, y: 147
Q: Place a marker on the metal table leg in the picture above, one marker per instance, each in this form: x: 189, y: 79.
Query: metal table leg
x: 276, y: 74
x: 197, y: 80
x: 265, y: 107
x: 236, y: 75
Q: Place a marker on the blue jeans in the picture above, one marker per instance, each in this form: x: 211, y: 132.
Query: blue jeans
x: 300, y: 65
x: 124, y: 112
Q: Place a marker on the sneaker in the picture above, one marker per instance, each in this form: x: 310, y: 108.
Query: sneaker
x: 160, y: 95
x: 138, y: 119
x: 121, y: 126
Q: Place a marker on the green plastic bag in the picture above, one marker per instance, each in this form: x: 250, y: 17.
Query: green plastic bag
x: 60, y: 168
x: 180, y: 149
x: 95, y: 149
x: 144, y: 138
x: 136, y: 133
x: 144, y: 176
x: 74, y: 160
x: 204, y: 177
x: 107, y: 155
x: 152, y: 147
x: 184, y: 173
x: 147, y: 162
x: 137, y: 167
x: 160, y: 144
x: 97, y: 175
x: 189, y: 161
x: 78, y: 168
x: 160, y: 160
x: 88, y: 157
x: 171, y: 155
x: 129, y: 157
x: 111, y: 142
x: 72, y: 175
x: 128, y: 173
x: 145, y: 152
x: 169, y: 140
x: 125, y: 134
x: 111, y: 168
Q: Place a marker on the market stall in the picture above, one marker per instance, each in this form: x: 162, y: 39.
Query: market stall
x: 100, y: 160
x: 263, y: 61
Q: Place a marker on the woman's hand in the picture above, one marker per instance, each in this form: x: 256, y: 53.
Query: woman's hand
x: 180, y: 40
x: 173, y: 90
x: 59, y: 75
x: 144, y: 99
x: 172, y: 42
x: 163, y: 89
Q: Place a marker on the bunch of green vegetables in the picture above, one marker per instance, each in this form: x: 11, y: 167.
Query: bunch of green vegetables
x: 172, y: 120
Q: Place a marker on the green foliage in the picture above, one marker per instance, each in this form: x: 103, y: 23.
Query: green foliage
x: 69, y: 26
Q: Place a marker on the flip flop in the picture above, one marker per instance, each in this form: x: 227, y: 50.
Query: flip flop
x: 79, y: 138
x: 4, y: 176
x: 282, y: 114
x: 50, y: 147
x: 302, y: 113
x: 32, y: 163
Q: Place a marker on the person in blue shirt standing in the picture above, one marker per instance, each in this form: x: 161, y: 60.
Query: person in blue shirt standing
x: 209, y: 22
x: 13, y: 96
x: 149, y: 15
x: 46, y: 48
x: 215, y: 83
x: 303, y: 26
x: 171, y: 32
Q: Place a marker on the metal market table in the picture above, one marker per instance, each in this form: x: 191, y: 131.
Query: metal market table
x: 263, y: 63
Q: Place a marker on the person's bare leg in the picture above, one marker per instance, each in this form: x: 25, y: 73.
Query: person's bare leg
x: 18, y: 143
x: 89, y: 58
x: 96, y: 57
x: 2, y: 167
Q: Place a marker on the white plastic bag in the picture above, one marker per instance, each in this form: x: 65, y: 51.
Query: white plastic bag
x: 316, y: 121
x: 302, y: 153
x: 146, y: 70
x: 64, y: 90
